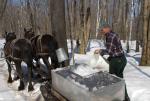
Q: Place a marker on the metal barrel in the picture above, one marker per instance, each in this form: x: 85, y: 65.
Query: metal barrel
x: 61, y: 55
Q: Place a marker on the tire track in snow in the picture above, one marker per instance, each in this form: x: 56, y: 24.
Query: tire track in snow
x: 144, y: 73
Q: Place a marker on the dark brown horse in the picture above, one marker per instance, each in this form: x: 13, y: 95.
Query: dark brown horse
x: 18, y: 50
x: 44, y: 46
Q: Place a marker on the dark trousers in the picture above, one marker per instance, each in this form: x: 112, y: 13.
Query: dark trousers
x: 117, y: 65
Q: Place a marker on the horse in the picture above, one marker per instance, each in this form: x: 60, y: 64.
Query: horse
x: 44, y: 46
x: 18, y: 50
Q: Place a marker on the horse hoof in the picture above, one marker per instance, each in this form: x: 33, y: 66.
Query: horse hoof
x: 10, y: 80
x: 20, y: 88
x: 30, y: 88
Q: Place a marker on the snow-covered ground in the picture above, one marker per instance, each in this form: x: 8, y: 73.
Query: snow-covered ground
x: 137, y: 78
x: 138, y: 81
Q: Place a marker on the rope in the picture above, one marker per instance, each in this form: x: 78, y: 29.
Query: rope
x: 14, y: 58
x: 3, y: 58
x: 13, y: 68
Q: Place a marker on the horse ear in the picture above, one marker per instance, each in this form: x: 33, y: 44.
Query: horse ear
x: 5, y: 32
x: 25, y: 30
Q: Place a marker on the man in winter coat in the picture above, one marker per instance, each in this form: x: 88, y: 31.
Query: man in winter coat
x: 117, y: 59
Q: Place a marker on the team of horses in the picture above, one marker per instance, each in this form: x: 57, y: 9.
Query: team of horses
x: 31, y: 47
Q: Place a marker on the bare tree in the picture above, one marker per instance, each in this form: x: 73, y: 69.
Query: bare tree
x: 3, y: 4
x: 58, y: 22
x: 146, y: 33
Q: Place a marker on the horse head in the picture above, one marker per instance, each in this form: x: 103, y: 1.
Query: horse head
x: 10, y: 36
x: 28, y: 33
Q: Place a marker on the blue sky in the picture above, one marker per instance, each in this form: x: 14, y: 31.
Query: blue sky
x: 16, y: 2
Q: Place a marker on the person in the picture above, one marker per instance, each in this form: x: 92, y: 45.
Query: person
x: 117, y: 59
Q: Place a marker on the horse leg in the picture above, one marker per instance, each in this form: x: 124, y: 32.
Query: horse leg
x: 20, y: 74
x: 55, y: 63
x: 16, y: 77
x: 8, y: 61
x: 30, y: 66
x: 49, y: 67
x: 37, y: 68
x: 37, y: 64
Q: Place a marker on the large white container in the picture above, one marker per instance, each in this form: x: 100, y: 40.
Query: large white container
x: 75, y: 87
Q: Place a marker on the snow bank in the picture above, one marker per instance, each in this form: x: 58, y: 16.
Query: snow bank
x: 91, y: 60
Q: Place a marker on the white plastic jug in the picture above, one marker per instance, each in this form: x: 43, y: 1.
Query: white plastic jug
x: 97, y: 61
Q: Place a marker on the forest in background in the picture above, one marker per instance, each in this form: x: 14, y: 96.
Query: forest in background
x: 129, y: 18
x: 123, y: 15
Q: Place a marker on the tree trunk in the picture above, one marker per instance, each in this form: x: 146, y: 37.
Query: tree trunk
x: 58, y: 22
x: 3, y: 4
x: 145, y: 60
x: 32, y: 16
x: 81, y: 36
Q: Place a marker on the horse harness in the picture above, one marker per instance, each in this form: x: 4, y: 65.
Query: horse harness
x: 38, y: 43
